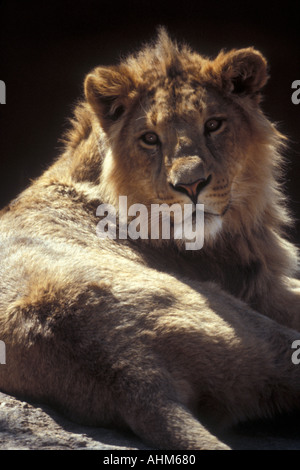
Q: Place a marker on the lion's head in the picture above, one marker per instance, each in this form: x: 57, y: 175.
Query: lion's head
x: 180, y: 128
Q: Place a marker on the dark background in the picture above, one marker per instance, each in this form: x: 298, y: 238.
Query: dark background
x: 46, y: 48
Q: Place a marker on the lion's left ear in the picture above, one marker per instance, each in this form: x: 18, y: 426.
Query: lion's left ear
x: 242, y: 71
x: 108, y: 90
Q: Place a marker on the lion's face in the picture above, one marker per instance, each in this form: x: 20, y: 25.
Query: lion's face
x: 181, y: 133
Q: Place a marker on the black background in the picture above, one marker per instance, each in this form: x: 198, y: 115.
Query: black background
x: 46, y: 48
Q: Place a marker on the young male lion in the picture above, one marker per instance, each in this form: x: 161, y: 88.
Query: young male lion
x: 172, y: 343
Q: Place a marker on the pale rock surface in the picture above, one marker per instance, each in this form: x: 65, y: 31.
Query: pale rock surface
x: 27, y: 426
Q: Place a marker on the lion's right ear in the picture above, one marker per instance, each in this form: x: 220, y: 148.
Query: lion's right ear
x: 108, y: 91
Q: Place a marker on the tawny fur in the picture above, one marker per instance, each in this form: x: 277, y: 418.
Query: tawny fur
x: 143, y: 334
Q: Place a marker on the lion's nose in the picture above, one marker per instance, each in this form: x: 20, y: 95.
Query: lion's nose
x: 193, y: 189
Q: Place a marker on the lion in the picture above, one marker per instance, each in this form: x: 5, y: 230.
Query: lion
x: 140, y: 333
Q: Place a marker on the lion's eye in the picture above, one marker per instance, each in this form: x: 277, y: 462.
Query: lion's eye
x: 213, y: 125
x: 150, y: 138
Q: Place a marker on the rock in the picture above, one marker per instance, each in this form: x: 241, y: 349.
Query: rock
x: 37, y: 427
x: 28, y: 426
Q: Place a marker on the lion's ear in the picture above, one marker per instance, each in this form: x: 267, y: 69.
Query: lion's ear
x: 242, y: 71
x: 108, y: 89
